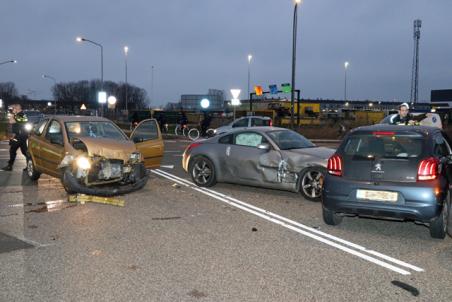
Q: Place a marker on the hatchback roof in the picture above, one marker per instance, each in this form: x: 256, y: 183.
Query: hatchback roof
x: 388, y: 127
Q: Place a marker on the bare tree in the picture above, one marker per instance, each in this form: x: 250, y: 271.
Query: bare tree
x: 86, y: 92
x: 8, y: 91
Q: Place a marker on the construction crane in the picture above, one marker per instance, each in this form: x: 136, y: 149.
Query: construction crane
x: 415, y: 68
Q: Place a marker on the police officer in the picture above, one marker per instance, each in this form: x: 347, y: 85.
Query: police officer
x: 19, y: 136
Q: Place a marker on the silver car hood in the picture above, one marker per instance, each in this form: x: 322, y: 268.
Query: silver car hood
x: 320, y: 152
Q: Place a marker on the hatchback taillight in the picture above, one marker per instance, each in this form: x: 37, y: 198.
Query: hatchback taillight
x: 428, y: 169
x: 334, y: 166
x: 270, y: 123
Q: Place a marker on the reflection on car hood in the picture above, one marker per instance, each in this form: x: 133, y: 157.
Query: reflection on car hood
x: 223, y: 129
x: 109, y: 148
x: 320, y: 152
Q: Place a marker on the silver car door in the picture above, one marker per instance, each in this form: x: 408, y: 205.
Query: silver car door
x: 248, y: 163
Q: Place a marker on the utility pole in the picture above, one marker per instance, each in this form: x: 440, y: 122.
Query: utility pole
x: 415, y: 68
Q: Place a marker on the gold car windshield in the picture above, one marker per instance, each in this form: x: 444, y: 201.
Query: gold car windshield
x: 94, y: 129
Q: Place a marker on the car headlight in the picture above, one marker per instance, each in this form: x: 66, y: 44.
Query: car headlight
x: 135, y: 156
x: 28, y: 127
x: 83, y: 163
x: 215, y: 131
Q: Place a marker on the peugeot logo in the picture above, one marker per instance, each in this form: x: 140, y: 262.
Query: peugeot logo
x: 377, y: 167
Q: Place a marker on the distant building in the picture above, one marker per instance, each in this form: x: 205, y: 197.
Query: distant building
x: 192, y: 102
x: 441, y: 98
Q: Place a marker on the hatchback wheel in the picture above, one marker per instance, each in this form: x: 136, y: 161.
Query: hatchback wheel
x: 31, y: 171
x: 438, y: 227
x: 311, y: 183
x: 202, y: 172
x: 330, y: 217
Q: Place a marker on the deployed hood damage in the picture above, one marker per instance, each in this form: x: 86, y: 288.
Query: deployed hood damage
x: 108, y: 148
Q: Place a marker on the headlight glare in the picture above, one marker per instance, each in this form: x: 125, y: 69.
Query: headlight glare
x: 28, y: 127
x: 83, y: 163
x: 135, y: 156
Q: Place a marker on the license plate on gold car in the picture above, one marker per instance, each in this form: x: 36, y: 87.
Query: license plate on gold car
x: 377, y: 195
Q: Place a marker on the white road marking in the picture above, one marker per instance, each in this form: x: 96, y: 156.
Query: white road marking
x: 167, y: 166
x: 300, y: 228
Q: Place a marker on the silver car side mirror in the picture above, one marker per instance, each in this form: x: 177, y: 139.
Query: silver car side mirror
x: 265, y: 147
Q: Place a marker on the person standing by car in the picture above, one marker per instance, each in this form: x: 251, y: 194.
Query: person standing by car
x: 404, y: 117
x: 18, y: 138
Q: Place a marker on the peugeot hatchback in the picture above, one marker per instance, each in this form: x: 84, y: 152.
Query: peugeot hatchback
x: 391, y: 171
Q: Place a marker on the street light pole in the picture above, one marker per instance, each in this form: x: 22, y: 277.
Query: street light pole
x: 9, y: 61
x: 152, y: 85
x: 126, y: 51
x: 294, y: 55
x: 249, y: 67
x: 345, y: 80
x: 81, y: 39
x: 45, y: 76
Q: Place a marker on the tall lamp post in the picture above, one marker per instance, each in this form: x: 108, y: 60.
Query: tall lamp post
x: 250, y: 57
x: 81, y: 39
x: 152, y: 85
x: 46, y: 76
x: 126, y: 51
x: 345, y: 80
x: 9, y: 61
x: 294, y: 55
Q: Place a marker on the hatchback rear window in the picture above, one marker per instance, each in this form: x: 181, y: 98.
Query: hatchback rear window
x: 384, y: 145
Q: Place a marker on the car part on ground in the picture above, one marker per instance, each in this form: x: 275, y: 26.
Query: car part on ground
x: 83, y: 198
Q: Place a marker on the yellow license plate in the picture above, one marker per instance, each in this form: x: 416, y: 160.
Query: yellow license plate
x: 377, y: 195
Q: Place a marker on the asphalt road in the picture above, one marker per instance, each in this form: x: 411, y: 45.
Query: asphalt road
x: 175, y: 242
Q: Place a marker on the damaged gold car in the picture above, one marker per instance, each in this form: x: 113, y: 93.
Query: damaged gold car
x: 91, y: 155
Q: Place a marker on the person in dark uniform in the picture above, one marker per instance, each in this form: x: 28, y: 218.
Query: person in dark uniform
x: 19, y: 137
x: 205, y: 123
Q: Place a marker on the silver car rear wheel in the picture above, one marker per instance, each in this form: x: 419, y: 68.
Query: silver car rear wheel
x: 202, y: 172
x: 311, y: 184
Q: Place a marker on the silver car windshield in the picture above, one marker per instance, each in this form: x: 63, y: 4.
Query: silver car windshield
x: 287, y: 139
x: 94, y: 129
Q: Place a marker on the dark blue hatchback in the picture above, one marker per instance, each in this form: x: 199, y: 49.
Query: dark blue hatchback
x: 391, y: 171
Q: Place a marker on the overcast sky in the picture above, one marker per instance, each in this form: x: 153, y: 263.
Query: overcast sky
x: 200, y: 44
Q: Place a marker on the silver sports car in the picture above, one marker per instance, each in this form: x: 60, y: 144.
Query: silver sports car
x: 268, y: 157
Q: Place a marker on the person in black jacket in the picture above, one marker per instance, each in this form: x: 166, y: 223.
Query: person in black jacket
x: 19, y: 137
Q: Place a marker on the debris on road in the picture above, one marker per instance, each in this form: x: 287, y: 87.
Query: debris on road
x: 177, y: 186
x: 254, y: 230
x: 82, y: 198
x: 197, y: 294
x: 413, y: 290
x: 166, y: 218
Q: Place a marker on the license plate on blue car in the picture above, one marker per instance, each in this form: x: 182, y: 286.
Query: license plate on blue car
x: 377, y: 195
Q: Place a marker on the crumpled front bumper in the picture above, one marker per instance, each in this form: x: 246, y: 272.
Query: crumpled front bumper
x: 72, y: 184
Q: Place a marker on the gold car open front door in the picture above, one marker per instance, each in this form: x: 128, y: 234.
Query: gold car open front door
x: 148, y: 140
